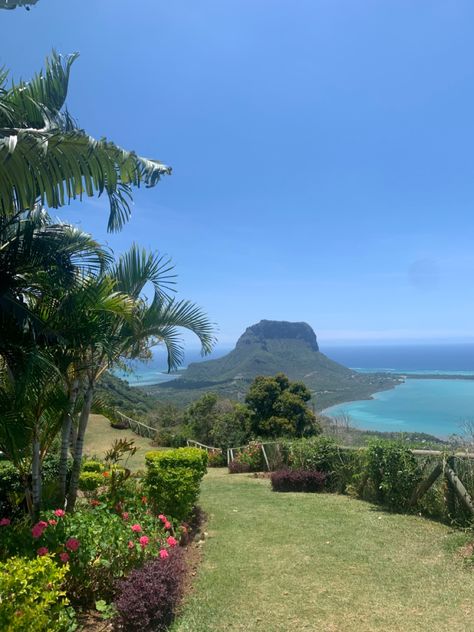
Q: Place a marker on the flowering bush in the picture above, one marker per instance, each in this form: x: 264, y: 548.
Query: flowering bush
x: 147, y: 599
x: 32, y: 596
x: 249, y: 459
x: 98, y: 545
x: 173, y: 479
x: 216, y: 458
x: 298, y: 481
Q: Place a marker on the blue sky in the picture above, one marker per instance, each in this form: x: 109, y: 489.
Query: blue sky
x: 323, y: 151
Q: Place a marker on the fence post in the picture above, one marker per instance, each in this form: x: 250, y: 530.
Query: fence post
x: 450, y: 493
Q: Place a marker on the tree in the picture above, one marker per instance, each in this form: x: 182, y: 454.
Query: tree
x: 278, y: 407
x: 45, y: 158
x: 116, y: 337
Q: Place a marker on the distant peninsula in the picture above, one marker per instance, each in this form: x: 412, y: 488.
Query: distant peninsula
x: 270, y: 347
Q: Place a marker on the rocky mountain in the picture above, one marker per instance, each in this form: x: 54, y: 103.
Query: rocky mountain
x: 270, y: 347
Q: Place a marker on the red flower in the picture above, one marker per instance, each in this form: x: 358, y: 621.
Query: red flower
x: 172, y: 541
x: 52, y: 522
x: 162, y: 518
x: 38, y: 528
x: 130, y: 544
x: 64, y: 557
x: 95, y: 502
x: 136, y: 527
x: 144, y: 500
x: 164, y: 554
x: 167, y: 525
x: 59, y: 513
x: 144, y: 541
x: 42, y: 551
x: 106, y: 474
x: 4, y: 522
x: 125, y: 515
x: 72, y: 544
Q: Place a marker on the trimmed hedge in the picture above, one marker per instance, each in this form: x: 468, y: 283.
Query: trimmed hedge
x: 173, y: 478
x: 92, y: 466
x: 298, y: 481
x: 90, y: 481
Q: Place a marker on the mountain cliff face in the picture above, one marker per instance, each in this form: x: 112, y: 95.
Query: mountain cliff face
x: 267, y: 330
x: 270, y: 347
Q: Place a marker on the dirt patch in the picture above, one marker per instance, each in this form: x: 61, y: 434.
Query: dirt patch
x: 467, y: 550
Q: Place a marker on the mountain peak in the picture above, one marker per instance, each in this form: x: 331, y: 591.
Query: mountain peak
x: 278, y: 329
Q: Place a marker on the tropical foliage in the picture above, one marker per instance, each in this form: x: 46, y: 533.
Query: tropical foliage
x: 68, y: 309
x: 45, y: 158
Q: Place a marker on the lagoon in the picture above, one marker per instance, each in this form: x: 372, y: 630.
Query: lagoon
x: 437, y: 407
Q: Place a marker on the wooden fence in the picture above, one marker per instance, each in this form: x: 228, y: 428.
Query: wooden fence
x: 446, y: 465
x: 137, y: 427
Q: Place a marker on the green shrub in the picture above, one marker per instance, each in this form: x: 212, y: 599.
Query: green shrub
x: 216, y: 458
x: 322, y: 454
x: 394, y: 473
x: 32, y: 597
x: 168, y: 438
x: 173, y: 479
x: 90, y: 481
x: 10, y: 488
x: 92, y: 466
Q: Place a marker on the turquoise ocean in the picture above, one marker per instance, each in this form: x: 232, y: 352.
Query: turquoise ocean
x: 438, y: 407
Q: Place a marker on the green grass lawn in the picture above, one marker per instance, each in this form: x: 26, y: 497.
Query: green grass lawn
x: 322, y: 562
x: 100, y: 435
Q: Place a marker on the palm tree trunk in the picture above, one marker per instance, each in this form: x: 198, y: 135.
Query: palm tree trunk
x: 36, y: 476
x: 65, y: 437
x: 81, y: 431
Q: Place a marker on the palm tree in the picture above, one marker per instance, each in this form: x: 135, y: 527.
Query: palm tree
x: 116, y: 337
x: 40, y: 263
x: 45, y: 158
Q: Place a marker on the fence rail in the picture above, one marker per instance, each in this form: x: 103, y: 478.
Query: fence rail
x: 137, y: 427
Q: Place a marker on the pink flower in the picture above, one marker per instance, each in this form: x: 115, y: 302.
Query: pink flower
x: 38, y: 528
x: 164, y: 554
x: 52, y: 522
x: 4, y: 522
x: 42, y: 551
x: 125, y: 515
x: 64, y: 557
x: 172, y: 541
x: 162, y: 518
x: 59, y: 513
x: 144, y: 541
x: 131, y: 545
x: 72, y: 544
x: 167, y: 525
x: 136, y: 527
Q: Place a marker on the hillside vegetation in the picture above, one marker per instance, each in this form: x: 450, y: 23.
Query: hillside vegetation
x: 267, y: 348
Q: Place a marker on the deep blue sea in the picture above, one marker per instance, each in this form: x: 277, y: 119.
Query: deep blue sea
x: 437, y: 407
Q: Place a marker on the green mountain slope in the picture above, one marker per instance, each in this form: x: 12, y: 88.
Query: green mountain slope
x: 267, y: 348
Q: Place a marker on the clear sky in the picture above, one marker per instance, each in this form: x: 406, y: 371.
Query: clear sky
x: 322, y: 151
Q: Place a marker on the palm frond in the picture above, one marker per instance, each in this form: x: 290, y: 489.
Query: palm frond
x: 162, y: 321
x: 137, y: 267
x: 54, y: 167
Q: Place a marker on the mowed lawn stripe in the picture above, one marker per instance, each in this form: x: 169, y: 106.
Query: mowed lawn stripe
x: 286, y: 562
